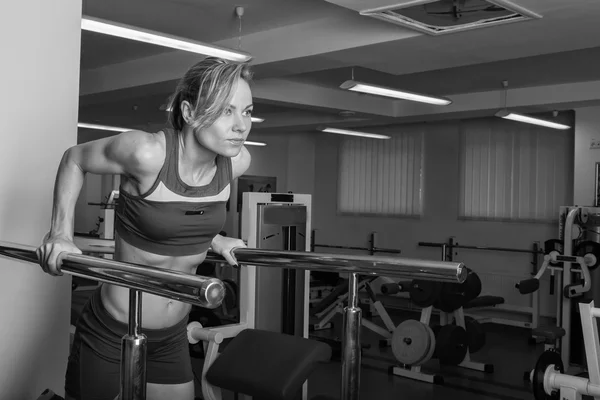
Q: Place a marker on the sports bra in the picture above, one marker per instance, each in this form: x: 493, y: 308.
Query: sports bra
x: 173, y: 218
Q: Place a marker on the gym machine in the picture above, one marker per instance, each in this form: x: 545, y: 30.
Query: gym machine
x: 579, y: 236
x: 448, y: 253
x: 548, y: 378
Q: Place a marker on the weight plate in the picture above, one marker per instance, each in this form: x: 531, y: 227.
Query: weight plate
x: 471, y: 286
x: 231, y: 294
x: 424, y: 293
x: 549, y: 357
x: 451, y: 344
x: 588, y: 247
x: 431, y: 352
x: 475, y: 335
x: 411, y: 342
x: 451, y: 297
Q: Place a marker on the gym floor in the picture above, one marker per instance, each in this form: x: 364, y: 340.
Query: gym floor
x: 507, y: 348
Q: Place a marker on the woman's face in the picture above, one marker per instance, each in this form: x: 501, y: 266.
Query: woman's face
x: 228, y: 133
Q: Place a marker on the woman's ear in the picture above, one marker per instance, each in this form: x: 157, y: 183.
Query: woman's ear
x: 187, y: 112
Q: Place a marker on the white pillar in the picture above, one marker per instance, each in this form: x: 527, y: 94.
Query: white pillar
x: 39, y: 78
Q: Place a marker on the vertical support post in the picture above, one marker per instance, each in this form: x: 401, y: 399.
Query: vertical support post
x: 587, y: 311
x: 567, y: 304
x: 288, y: 317
x: 133, y: 352
x: 351, y: 356
x: 372, y: 244
x: 450, y: 249
x: 535, y: 304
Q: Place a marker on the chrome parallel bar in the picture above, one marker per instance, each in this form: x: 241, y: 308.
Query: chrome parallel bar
x: 134, y: 347
x: 193, y: 289
x: 351, y: 356
x: 443, y: 271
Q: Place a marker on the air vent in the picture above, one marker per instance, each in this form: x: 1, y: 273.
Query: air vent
x: 437, y: 17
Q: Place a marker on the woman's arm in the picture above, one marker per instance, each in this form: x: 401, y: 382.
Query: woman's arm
x: 224, y: 245
x: 133, y: 154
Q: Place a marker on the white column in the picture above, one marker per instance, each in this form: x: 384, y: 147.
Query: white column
x: 39, y: 78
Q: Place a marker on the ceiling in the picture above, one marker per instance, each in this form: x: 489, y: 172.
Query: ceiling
x: 304, y: 49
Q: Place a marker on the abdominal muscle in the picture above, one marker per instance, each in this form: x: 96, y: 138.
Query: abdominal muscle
x: 157, y: 312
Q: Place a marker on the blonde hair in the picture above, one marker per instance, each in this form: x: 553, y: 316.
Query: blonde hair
x: 208, y: 87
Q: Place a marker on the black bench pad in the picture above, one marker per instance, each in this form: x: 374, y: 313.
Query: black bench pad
x: 267, y: 365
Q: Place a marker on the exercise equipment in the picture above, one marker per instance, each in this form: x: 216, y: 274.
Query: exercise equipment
x: 267, y: 365
x: 548, y: 378
x: 424, y: 293
x: 413, y: 343
x: 475, y: 334
x: 324, y: 311
x: 451, y: 344
x: 448, y: 250
x: 454, y: 296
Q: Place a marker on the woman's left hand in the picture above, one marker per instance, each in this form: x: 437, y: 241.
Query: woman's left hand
x: 224, y: 246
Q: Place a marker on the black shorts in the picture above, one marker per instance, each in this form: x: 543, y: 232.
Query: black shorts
x: 93, y: 370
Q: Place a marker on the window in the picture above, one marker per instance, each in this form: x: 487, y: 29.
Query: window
x: 514, y: 171
x: 383, y: 177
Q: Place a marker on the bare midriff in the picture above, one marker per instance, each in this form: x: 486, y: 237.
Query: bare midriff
x: 157, y: 312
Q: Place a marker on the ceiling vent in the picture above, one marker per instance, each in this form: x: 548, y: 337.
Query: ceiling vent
x: 437, y: 17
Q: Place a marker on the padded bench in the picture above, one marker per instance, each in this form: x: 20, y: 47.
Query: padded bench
x: 267, y: 365
x: 484, y: 301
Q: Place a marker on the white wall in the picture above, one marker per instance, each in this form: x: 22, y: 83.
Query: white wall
x: 587, y: 128
x: 39, y: 76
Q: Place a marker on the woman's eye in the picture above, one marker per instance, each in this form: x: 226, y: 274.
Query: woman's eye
x: 248, y: 113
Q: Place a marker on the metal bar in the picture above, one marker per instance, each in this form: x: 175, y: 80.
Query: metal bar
x: 460, y: 246
x: 133, y: 353
x: 194, y: 289
x: 351, y: 357
x: 442, y: 271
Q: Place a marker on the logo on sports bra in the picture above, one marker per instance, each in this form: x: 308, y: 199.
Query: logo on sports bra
x: 197, y: 212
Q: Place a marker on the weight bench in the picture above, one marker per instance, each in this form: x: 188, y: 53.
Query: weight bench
x: 267, y: 365
x: 548, y: 334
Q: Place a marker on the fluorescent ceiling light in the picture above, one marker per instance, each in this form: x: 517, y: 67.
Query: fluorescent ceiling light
x: 530, y: 120
x: 160, y: 39
x: 249, y: 143
x: 119, y: 129
x: 355, y: 133
x: 398, y: 94
x: 102, y: 127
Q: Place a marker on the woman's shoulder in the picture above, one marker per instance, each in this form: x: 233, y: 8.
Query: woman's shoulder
x: 149, y: 149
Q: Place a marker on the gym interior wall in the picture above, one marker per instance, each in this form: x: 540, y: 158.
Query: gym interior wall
x: 40, y: 80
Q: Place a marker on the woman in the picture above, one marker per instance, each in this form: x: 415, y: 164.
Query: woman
x: 174, y: 188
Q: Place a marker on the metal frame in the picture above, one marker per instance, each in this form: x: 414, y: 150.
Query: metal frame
x: 574, y: 387
x: 173, y: 285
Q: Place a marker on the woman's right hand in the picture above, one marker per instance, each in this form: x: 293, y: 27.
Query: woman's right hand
x: 49, y: 253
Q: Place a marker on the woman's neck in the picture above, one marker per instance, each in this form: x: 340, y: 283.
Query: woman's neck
x: 194, y: 160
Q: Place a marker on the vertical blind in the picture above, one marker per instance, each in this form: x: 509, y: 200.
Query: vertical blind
x: 381, y: 176
x: 513, y: 171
